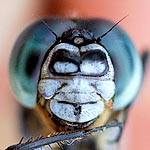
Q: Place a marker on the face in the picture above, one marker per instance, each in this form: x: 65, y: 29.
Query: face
x: 76, y: 82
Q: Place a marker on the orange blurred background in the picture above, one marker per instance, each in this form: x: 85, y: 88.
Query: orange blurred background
x: 16, y: 15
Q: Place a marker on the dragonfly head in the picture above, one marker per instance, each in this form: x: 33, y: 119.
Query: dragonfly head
x: 76, y: 82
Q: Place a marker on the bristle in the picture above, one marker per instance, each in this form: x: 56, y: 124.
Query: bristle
x: 109, y: 30
x: 60, y: 138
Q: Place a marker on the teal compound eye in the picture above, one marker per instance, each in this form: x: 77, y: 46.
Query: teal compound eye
x: 72, y: 71
x: 36, y: 42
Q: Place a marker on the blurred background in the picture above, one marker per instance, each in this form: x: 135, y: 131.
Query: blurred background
x: 16, y: 15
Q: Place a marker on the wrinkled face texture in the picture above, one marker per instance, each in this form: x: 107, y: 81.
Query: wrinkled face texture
x: 77, y: 81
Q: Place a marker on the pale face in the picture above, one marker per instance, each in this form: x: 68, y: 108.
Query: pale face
x: 77, y: 82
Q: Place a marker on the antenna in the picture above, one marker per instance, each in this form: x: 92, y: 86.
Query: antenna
x: 99, y: 38
x: 45, y: 23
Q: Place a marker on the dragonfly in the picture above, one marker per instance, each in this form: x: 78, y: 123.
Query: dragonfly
x: 75, y: 78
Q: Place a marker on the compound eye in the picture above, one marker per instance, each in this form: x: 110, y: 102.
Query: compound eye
x: 63, y: 62
x: 94, y: 63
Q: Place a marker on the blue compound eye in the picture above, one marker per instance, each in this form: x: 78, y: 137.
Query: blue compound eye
x: 36, y: 47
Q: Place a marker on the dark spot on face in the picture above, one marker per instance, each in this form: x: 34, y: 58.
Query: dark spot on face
x: 77, y: 109
x: 31, y: 63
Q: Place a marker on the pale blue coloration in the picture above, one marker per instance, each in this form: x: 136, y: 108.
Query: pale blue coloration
x: 31, y: 46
